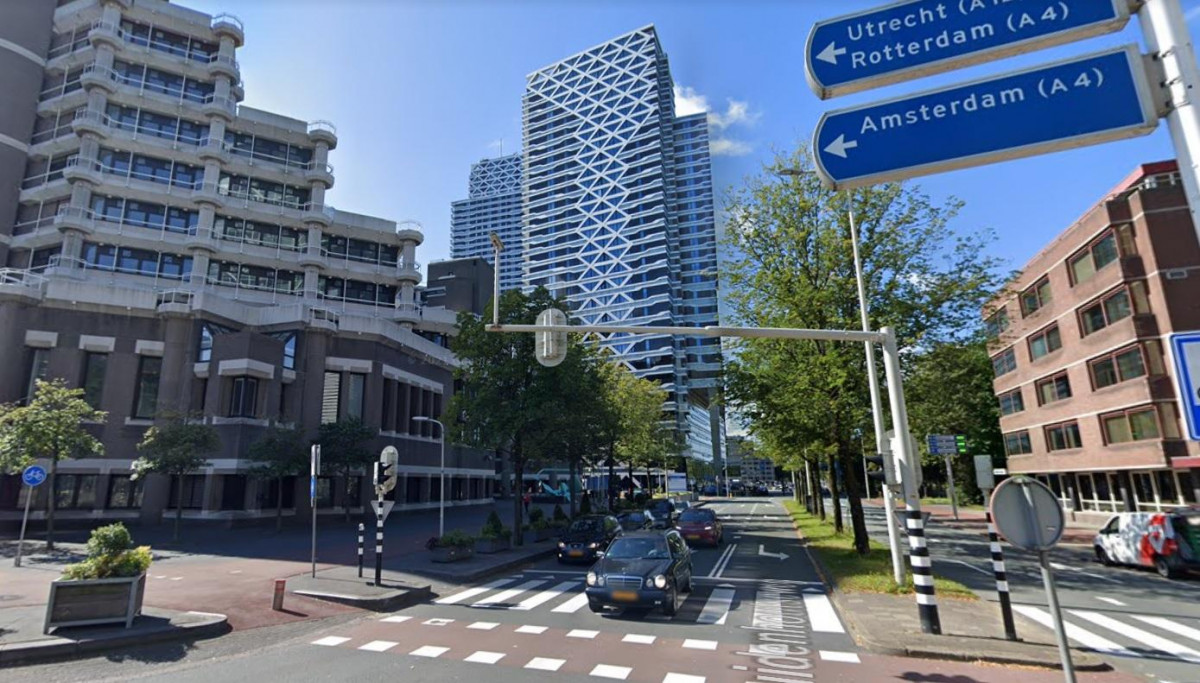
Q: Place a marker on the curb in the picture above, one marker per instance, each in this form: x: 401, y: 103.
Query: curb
x: 488, y: 571
x: 62, y: 648
x: 388, y: 602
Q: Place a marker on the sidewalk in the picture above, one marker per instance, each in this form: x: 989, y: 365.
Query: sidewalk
x: 1081, y: 526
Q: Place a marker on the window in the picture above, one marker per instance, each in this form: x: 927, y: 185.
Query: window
x: 38, y: 363
x: 1137, y: 424
x: 72, y: 491
x: 289, y: 352
x: 1062, y: 437
x: 1093, y: 258
x: 94, y: 367
x: 1005, y: 362
x: 1055, y: 388
x: 996, y: 323
x: 330, y: 402
x: 355, y: 395
x: 145, y: 395
x: 1044, y: 341
x: 124, y: 492
x: 1012, y: 402
x: 243, y: 399
x: 193, y: 492
x: 1112, y: 307
x: 1035, y: 297
x: 1118, y: 367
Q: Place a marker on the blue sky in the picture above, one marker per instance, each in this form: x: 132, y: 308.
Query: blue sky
x: 420, y: 89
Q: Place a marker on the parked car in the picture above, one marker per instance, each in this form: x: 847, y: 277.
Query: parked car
x: 644, y: 569
x: 1167, y: 541
x: 587, y: 537
x: 701, y: 525
x: 760, y: 489
x: 663, y: 511
x: 710, y: 490
x: 635, y: 521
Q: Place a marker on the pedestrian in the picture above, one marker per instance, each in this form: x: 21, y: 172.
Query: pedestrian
x: 526, y: 499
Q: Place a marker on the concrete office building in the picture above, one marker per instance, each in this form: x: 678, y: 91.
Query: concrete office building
x: 171, y: 251
x: 1083, y: 368
x: 618, y: 216
x: 493, y: 204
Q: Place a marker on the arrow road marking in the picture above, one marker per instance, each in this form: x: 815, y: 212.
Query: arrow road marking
x: 762, y: 551
x: 839, y: 146
x: 831, y: 53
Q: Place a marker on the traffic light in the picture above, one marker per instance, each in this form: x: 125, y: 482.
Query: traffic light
x: 550, y: 348
x: 960, y: 444
x: 885, y: 469
x: 385, y: 471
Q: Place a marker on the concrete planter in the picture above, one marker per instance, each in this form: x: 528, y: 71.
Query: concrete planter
x: 445, y: 555
x: 488, y: 546
x: 94, y: 601
x: 546, y: 534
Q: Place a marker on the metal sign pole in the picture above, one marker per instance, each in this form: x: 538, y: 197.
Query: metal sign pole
x: 1060, y: 632
x: 24, y: 521
x: 314, y: 467
x: 950, y: 478
x: 379, y: 541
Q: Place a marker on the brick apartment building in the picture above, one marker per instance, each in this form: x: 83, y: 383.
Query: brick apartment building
x: 1083, y: 371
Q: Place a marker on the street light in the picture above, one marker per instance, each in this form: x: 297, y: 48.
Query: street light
x: 442, y: 477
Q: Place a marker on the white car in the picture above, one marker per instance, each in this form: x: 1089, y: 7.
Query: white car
x: 1167, y: 541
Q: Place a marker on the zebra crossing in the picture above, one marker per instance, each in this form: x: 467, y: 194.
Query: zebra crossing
x: 1124, y: 634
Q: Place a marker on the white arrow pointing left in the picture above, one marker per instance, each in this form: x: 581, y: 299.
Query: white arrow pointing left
x: 831, y: 53
x: 762, y: 550
x: 839, y: 146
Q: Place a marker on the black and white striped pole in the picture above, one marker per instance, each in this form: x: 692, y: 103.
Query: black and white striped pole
x: 986, y: 479
x: 379, y: 540
x: 360, y: 549
x: 906, y: 458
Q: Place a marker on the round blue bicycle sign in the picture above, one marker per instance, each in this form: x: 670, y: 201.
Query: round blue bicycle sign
x: 33, y: 475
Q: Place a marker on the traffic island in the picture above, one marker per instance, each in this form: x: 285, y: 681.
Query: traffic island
x: 22, y: 640
x: 343, y: 586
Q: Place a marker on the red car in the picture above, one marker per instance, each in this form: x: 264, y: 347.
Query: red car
x: 700, y: 525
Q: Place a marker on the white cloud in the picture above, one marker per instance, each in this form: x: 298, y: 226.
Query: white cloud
x: 726, y: 147
x: 737, y: 113
x: 688, y: 101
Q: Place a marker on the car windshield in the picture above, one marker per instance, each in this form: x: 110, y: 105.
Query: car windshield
x: 585, y: 526
x: 697, y: 516
x: 639, y: 548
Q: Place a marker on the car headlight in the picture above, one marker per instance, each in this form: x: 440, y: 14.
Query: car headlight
x: 591, y: 578
x: 561, y: 545
x: 593, y: 546
x: 708, y: 528
x: 660, y: 581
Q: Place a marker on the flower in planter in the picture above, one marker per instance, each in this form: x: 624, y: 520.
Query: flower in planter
x: 111, y: 555
x: 494, y: 529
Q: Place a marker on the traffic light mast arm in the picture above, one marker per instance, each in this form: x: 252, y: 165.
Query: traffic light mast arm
x: 710, y: 331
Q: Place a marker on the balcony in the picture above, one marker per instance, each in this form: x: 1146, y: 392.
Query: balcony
x: 208, y: 193
x: 215, y: 149
x: 105, y: 32
x: 226, y: 24
x: 88, y: 121
x: 74, y: 218
x: 315, y: 213
x: 408, y: 313
x: 82, y: 170
x: 225, y: 65
x: 408, y: 270
x: 224, y: 107
x: 96, y: 76
x: 202, y: 238
x: 320, y: 173
x: 323, y: 131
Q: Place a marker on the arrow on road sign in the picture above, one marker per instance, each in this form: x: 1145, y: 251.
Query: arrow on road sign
x: 831, y: 53
x: 840, y: 145
x: 762, y: 551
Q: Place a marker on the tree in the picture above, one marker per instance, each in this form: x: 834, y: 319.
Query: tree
x: 176, y: 448
x: 51, y: 427
x: 279, y: 453
x: 793, y: 267
x: 344, y: 449
x: 642, y: 439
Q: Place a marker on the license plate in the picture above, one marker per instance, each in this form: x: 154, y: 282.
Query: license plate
x: 625, y: 596
x: 693, y: 537
x: 575, y: 553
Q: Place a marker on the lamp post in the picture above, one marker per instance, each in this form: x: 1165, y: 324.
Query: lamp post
x: 441, y: 477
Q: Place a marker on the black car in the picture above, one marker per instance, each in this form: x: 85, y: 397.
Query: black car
x: 643, y: 569
x: 663, y: 512
x: 586, y: 537
x: 636, y: 521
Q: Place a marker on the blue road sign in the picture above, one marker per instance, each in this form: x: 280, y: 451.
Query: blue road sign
x: 1185, y: 347
x: 312, y: 488
x: 33, y: 475
x: 917, y: 38
x: 1076, y: 102
x: 942, y: 444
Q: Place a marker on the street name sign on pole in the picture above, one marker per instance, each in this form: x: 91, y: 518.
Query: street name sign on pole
x: 907, y: 40
x: 33, y: 476
x: 942, y: 444
x: 1185, y: 348
x: 1071, y: 103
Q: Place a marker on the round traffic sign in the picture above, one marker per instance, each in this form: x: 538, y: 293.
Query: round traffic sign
x: 1027, y: 513
x: 33, y: 475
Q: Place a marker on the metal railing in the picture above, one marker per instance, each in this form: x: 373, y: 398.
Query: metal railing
x: 136, y: 129
x: 227, y: 18
x: 131, y: 173
x: 20, y: 277
x: 321, y: 125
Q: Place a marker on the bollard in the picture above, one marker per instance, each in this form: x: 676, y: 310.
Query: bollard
x: 360, y: 550
x: 280, y: 587
x: 1001, y: 575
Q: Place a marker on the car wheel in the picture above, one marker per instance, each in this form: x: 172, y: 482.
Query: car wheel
x: 1164, y: 568
x: 669, y: 608
x: 687, y: 587
x: 1103, y: 558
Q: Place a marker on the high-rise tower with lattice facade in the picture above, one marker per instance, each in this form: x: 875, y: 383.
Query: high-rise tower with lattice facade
x: 493, y: 204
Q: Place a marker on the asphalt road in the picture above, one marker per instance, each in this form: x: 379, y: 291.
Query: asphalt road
x: 1138, y: 621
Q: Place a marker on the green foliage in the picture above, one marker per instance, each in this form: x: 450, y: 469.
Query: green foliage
x: 559, y: 515
x: 494, y: 529
x: 110, y: 555
x: 180, y: 446
x: 51, y: 426
x: 642, y: 438
x: 279, y: 453
x: 537, y: 515
x: 344, y: 449
x: 456, y: 539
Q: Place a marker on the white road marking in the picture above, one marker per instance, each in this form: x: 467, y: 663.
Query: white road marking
x: 1083, y: 637
x: 437, y: 622
x: 472, y: 592
x: 500, y: 600
x: 176, y: 578
x: 430, y: 651
x: 1111, y: 601
x: 545, y: 664
x: 330, y: 641
x: 682, y: 678
x: 532, y: 630
x: 395, y: 619
x: 716, y: 608
x: 971, y: 566
x: 831, y: 656
x: 638, y: 639
x: 1157, y: 642
x: 700, y: 644
x: 546, y: 595
x: 484, y: 657
x: 821, y: 614
x: 235, y: 571
x: 484, y: 625
x: 609, y: 671
x: 555, y: 571
x: 582, y: 633
x: 379, y: 646
x: 1173, y: 627
x: 572, y: 605
x: 723, y: 562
